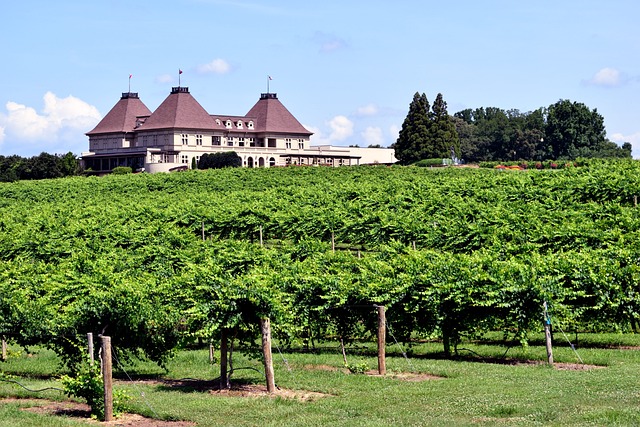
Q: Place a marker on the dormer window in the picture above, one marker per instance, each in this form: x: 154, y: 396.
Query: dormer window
x: 218, y: 122
x: 239, y: 124
x: 228, y: 124
x: 250, y: 125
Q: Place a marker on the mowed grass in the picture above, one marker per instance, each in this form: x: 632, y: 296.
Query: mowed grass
x: 475, y: 389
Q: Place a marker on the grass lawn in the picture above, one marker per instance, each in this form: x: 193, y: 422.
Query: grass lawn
x: 471, y: 390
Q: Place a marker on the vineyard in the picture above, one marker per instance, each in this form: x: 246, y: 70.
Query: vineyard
x: 160, y: 261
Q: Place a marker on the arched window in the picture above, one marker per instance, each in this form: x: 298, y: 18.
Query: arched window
x: 250, y: 162
x: 272, y: 162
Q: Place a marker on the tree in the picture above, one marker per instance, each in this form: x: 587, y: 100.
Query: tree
x: 444, y: 140
x: 414, y: 132
x: 426, y: 134
x: 573, y: 130
x: 220, y: 160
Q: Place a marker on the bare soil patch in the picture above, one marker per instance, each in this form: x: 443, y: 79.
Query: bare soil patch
x: 405, y: 376
x: 82, y: 412
x: 236, y: 389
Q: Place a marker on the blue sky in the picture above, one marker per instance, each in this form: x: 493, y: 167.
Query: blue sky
x: 346, y: 69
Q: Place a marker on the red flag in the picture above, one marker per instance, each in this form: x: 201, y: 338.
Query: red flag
x: 270, y: 78
x: 179, y: 71
x: 130, y: 75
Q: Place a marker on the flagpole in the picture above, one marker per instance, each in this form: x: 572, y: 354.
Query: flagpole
x: 179, y: 75
x: 268, y: 78
x: 130, y: 83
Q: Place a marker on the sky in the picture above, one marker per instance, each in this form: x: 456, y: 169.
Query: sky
x: 347, y: 70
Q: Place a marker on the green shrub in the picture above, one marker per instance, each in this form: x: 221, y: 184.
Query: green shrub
x: 358, y: 368
x: 121, y: 170
x: 425, y: 163
x: 88, y: 385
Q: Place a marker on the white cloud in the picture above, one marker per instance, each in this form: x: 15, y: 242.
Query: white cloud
x: 367, y: 110
x: 217, y: 66
x: 328, y: 42
x: 373, y: 136
x: 62, y: 120
x: 340, y: 128
x: 607, y: 77
x: 394, y: 131
x: 164, y: 78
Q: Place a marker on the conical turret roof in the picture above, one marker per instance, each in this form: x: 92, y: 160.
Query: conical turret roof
x: 179, y: 110
x: 272, y: 116
x: 122, y: 117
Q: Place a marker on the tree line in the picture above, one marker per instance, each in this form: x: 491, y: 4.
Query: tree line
x: 564, y: 130
x: 43, y: 166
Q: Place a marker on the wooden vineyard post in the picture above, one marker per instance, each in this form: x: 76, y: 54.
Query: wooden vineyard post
x: 265, y: 329
x: 224, y: 352
x: 4, y: 349
x: 90, y: 348
x: 547, y: 335
x: 261, y: 244
x: 211, y: 351
x: 107, y: 378
x: 382, y: 338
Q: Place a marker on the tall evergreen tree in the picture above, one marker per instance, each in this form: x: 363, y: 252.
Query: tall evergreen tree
x: 444, y: 140
x: 415, y: 131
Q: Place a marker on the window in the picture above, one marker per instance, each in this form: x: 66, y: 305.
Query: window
x: 239, y: 124
x: 215, y: 140
x: 230, y: 141
x: 166, y: 139
x: 198, y: 139
x: 155, y: 140
x: 271, y: 142
x: 185, y: 139
x: 287, y: 143
x: 228, y: 124
x: 241, y: 142
x: 250, y: 125
x: 184, y: 159
x: 272, y: 162
x: 301, y: 145
x: 144, y: 141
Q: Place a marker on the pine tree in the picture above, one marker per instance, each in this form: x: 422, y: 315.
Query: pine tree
x: 414, y: 132
x: 444, y: 141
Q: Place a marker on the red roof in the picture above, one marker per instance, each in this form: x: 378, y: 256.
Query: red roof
x: 179, y: 110
x: 272, y: 116
x: 122, y: 117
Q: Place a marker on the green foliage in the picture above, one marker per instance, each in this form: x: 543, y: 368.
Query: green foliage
x: 358, y: 368
x: 121, y: 170
x: 78, y: 256
x: 425, y: 163
x: 43, y: 166
x: 87, y: 384
x: 564, y: 130
x: 226, y: 159
x: 426, y: 134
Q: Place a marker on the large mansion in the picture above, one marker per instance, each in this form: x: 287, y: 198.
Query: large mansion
x: 180, y: 130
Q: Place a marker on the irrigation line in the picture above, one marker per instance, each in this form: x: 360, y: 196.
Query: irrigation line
x: 400, y: 347
x: 144, y: 397
x: 32, y: 391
